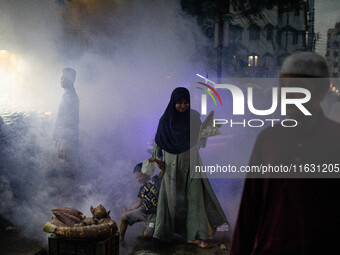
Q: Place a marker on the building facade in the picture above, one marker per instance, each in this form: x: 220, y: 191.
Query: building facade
x: 255, y: 45
x: 333, y: 47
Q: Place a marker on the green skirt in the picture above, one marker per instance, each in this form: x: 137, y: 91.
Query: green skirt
x: 186, y: 206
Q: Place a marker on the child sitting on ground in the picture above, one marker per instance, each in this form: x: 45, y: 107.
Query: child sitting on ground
x: 146, y: 206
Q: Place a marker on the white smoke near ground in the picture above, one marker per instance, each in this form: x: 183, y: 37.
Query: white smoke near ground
x: 129, y: 56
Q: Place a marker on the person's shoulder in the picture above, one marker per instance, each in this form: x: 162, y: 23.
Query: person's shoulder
x: 74, y: 94
x: 71, y: 92
x: 195, y: 113
x: 157, y: 179
x: 332, y: 124
x: 271, y: 132
x: 71, y: 97
x: 141, y: 187
x: 332, y: 128
x: 195, y: 116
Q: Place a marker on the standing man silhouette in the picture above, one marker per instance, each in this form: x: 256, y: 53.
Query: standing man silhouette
x: 66, y: 130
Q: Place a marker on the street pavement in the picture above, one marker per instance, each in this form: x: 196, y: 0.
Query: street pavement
x: 12, y: 242
x: 140, y: 246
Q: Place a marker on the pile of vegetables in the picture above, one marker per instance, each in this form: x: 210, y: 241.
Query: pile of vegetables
x: 71, y: 223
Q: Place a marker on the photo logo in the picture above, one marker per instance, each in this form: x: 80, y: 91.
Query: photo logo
x: 239, y: 99
x: 245, y: 98
x: 209, y: 93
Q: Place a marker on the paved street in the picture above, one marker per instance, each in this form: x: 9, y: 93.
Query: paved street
x: 13, y: 243
x: 179, y: 246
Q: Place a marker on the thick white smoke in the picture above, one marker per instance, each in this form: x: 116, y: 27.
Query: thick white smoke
x: 129, y: 56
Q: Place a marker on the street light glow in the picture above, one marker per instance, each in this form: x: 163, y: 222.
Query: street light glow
x: 11, y: 81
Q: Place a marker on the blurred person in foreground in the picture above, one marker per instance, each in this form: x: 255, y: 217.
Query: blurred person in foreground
x: 299, y: 215
x: 66, y: 130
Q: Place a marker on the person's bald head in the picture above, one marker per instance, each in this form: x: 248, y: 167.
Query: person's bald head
x: 305, y: 65
x: 307, y: 70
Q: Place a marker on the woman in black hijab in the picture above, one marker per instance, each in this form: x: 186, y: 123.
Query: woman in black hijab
x: 186, y: 205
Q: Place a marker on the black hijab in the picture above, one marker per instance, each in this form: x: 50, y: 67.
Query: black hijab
x: 173, y: 132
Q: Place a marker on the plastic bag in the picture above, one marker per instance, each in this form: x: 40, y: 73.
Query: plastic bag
x: 148, y: 167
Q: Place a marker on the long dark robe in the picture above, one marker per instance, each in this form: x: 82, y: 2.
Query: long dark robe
x: 64, y: 189
x: 67, y: 123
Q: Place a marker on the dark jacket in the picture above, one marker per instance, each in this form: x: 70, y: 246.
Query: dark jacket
x: 291, y: 216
